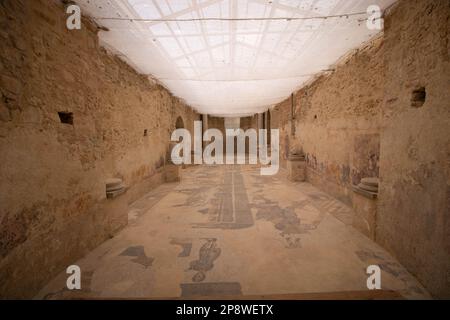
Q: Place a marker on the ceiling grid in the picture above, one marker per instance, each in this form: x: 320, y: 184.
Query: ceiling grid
x: 232, y: 57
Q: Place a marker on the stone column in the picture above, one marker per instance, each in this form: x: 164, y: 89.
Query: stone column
x: 115, y: 208
x: 260, y: 121
x: 261, y: 125
x: 205, y: 122
x: 205, y: 126
x: 266, y: 125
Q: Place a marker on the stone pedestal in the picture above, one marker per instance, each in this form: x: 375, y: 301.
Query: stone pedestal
x: 115, y: 207
x: 193, y: 154
x: 114, y: 188
x: 114, y: 211
x: 365, y: 206
x: 296, y: 166
x: 173, y: 173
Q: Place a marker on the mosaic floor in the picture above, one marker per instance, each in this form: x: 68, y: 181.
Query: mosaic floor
x: 227, y: 231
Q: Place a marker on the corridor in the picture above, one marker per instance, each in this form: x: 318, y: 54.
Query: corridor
x: 227, y: 231
x: 117, y: 116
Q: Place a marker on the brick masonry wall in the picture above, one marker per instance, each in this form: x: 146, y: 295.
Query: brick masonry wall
x: 52, y: 191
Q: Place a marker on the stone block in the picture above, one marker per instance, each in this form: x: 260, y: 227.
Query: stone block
x: 365, y: 208
x: 115, y: 213
x: 115, y: 188
x: 296, y: 170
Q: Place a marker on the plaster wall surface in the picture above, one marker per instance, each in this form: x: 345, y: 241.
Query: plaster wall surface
x: 52, y: 192
x: 337, y: 122
x: 414, y: 202
x: 357, y: 121
x: 364, y: 120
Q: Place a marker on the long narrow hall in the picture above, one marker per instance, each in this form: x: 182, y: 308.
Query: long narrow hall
x: 228, y: 232
x: 224, y: 149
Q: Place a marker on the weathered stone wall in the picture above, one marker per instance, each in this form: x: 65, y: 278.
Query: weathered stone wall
x: 367, y: 119
x: 52, y: 191
x: 414, y: 202
x: 337, y: 122
x: 249, y: 123
x: 281, y: 119
x: 216, y: 123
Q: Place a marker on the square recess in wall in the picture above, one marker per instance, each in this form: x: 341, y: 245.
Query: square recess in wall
x: 418, y: 97
x: 66, y: 117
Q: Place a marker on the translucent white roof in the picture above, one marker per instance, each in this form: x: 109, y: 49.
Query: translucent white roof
x: 232, y: 57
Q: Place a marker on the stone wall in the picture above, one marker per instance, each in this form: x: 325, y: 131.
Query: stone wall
x: 385, y: 112
x: 249, y: 123
x: 117, y: 125
x: 337, y: 122
x: 414, y: 202
x: 217, y: 123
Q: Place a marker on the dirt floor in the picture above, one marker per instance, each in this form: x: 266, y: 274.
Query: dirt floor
x: 227, y: 231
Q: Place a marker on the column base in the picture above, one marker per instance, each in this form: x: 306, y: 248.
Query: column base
x: 296, y: 170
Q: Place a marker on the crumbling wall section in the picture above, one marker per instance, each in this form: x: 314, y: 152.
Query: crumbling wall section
x: 414, y: 202
x: 71, y: 116
x: 385, y: 112
x: 335, y: 121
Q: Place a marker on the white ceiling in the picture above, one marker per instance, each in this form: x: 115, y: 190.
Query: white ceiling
x: 231, y: 67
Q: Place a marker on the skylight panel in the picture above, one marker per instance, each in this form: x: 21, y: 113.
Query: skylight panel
x: 249, y: 64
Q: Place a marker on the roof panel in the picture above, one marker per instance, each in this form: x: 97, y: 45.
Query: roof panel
x: 226, y: 66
